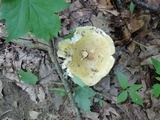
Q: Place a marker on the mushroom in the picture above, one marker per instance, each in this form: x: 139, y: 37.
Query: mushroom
x: 88, y: 54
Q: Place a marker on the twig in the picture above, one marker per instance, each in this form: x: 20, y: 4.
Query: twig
x: 5, y: 113
x: 30, y: 43
x: 147, y: 6
x: 53, y: 57
x: 140, y: 44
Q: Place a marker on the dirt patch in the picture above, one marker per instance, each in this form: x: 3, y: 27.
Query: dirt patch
x: 17, y: 105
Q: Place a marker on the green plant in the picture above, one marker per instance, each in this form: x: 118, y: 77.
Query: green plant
x: 82, y: 97
x: 131, y: 7
x: 156, y: 87
x: 60, y: 91
x: 99, y: 100
x: 35, y: 16
x: 131, y: 90
x: 27, y: 77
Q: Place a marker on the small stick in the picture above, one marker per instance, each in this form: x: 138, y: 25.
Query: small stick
x: 140, y: 44
x: 52, y: 54
x: 5, y: 113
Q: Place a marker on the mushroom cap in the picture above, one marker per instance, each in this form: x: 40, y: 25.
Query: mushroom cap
x: 88, y: 55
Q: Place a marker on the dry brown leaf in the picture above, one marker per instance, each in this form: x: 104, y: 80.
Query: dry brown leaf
x: 91, y: 115
x: 155, y: 42
x: 65, y: 31
x: 112, y: 112
x: 144, y: 30
x: 102, y: 21
x: 131, y: 47
x: 33, y: 114
x: 135, y: 24
x: 113, y: 12
x: 133, y: 70
x: 126, y: 33
x: 148, y: 60
x: 151, y: 50
x: 104, y: 4
x: 41, y: 95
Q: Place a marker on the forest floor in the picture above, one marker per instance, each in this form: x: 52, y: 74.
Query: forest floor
x: 137, y: 38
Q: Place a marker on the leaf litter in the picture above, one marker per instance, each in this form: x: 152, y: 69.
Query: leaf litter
x: 132, y: 58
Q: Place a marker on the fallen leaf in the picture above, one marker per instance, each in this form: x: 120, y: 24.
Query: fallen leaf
x: 15, y: 104
x: 151, y: 114
x: 91, y: 115
x: 151, y: 50
x: 155, y: 42
x: 41, y: 95
x: 101, y: 21
x: 65, y: 31
x: 113, y: 12
x: 144, y: 30
x: 111, y: 112
x: 33, y: 114
x: 57, y: 101
x: 133, y: 70
x: 126, y: 33
x: 31, y: 90
x: 148, y: 60
x: 131, y: 47
x: 135, y: 24
x: 104, y: 4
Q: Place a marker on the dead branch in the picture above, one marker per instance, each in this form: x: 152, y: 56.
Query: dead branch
x: 148, y: 6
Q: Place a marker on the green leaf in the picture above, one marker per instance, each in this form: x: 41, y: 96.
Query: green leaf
x: 36, y: 16
x: 135, y: 97
x: 82, y: 95
x: 96, y: 99
x: 28, y: 77
x: 60, y: 91
x: 0, y: 15
x: 135, y: 87
x: 78, y: 81
x: 100, y: 101
x: 156, y: 90
x: 123, y: 81
x: 156, y: 64
x: 59, y: 5
x: 158, y: 78
x: 131, y: 7
x: 85, y: 92
x: 122, y: 96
